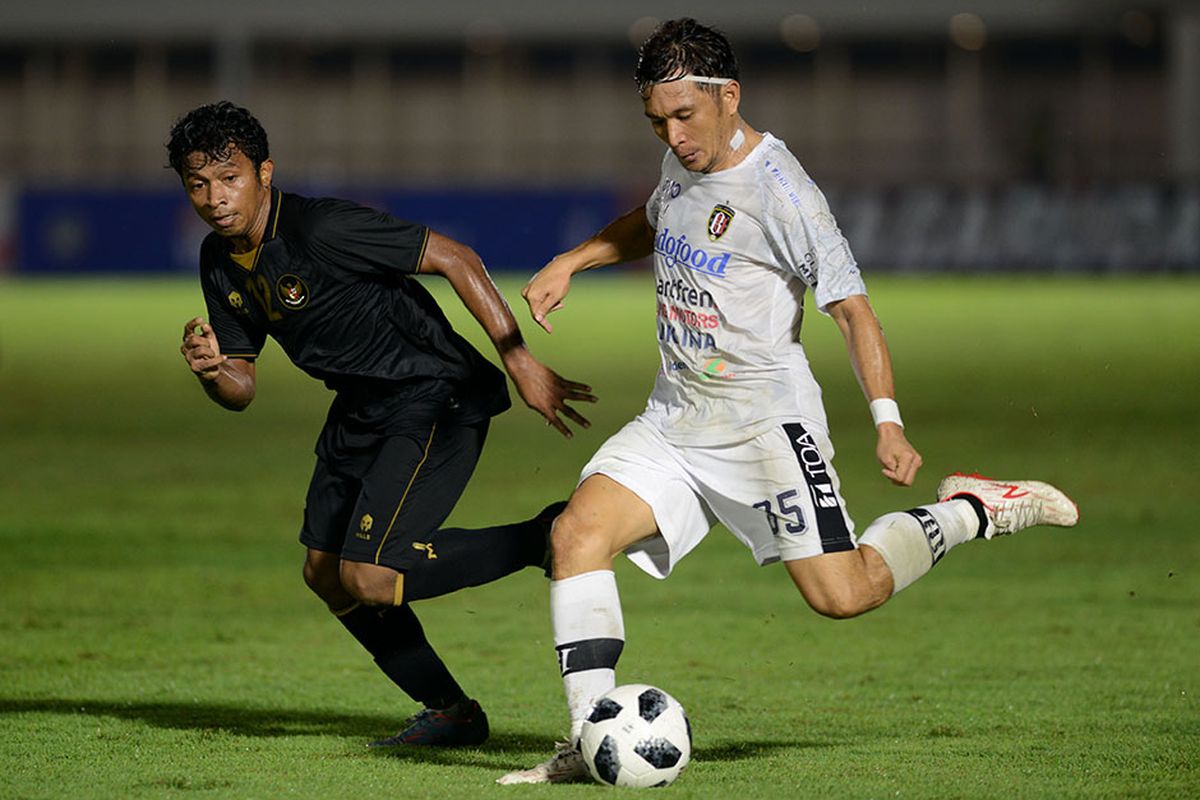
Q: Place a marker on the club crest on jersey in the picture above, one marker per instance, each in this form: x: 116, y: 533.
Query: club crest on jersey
x: 719, y: 221
x: 292, y: 291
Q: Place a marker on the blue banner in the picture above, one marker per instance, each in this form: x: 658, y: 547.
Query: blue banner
x: 70, y: 231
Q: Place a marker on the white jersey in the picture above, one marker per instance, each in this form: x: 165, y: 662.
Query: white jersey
x: 733, y: 253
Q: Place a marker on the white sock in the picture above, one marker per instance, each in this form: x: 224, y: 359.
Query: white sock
x: 589, y: 634
x: 911, y: 542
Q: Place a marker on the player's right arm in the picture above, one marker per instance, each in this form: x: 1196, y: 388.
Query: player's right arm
x: 626, y: 238
x: 228, y: 381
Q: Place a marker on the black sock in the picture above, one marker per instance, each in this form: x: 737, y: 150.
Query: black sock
x: 394, y: 636
x: 976, y: 504
x: 456, y: 557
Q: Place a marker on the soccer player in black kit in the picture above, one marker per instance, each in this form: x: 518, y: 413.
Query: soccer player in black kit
x: 333, y: 283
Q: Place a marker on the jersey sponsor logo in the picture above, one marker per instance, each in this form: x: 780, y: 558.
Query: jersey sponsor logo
x: 237, y: 303
x: 685, y: 337
x: 292, y: 291
x: 820, y: 484
x: 677, y: 251
x: 807, y: 268
x: 671, y: 188
x: 711, y: 369
x: 688, y: 295
x: 716, y: 368
x: 688, y: 317
x: 719, y: 221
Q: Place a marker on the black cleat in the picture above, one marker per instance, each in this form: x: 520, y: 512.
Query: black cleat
x: 462, y: 725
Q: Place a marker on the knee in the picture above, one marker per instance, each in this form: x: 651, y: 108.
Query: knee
x: 567, y: 535
x: 369, y: 583
x: 576, y: 546
x: 321, y: 576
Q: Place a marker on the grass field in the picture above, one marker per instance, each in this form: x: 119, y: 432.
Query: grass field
x: 157, y: 640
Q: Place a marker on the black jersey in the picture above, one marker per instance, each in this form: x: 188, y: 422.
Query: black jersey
x: 331, y: 283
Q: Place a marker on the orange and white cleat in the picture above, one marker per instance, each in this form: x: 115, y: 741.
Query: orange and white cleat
x: 1012, y: 505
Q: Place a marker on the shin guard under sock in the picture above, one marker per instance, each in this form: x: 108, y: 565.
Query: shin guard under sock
x: 589, y: 634
x: 394, y: 637
x: 911, y: 542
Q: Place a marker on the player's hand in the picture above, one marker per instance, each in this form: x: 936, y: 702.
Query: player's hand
x: 201, y: 350
x: 545, y: 292
x: 547, y: 392
x: 899, y: 459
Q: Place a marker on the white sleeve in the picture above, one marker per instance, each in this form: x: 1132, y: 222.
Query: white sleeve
x: 805, y: 239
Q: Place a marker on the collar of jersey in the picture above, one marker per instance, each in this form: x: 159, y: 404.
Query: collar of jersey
x: 269, y: 234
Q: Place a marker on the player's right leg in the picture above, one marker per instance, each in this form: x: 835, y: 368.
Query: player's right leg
x: 601, y: 519
x: 627, y: 486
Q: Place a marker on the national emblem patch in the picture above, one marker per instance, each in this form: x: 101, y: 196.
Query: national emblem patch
x: 293, y: 291
x: 719, y: 221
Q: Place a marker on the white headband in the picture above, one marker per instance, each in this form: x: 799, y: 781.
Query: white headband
x: 645, y: 87
x: 700, y: 79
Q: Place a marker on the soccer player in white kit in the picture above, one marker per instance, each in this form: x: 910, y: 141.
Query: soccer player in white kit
x: 734, y: 430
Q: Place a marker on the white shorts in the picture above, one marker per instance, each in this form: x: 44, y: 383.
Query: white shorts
x: 777, y: 493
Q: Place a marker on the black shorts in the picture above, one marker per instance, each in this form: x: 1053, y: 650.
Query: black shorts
x: 377, y: 502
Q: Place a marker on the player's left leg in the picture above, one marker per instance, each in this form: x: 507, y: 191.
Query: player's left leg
x: 893, y: 552
x: 899, y: 548
x: 780, y: 494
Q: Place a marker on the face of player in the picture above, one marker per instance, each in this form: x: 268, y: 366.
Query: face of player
x: 692, y: 122
x: 231, y: 196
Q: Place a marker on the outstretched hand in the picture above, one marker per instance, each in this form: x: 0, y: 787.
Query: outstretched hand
x: 900, y: 460
x: 547, y: 392
x: 201, y: 350
x: 545, y: 292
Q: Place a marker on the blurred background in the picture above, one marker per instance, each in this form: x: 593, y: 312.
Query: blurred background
x: 949, y: 135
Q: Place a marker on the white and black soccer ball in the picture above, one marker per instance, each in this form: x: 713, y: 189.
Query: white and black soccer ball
x: 636, y: 736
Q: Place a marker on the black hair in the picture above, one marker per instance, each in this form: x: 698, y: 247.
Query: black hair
x: 681, y: 47
x: 216, y: 130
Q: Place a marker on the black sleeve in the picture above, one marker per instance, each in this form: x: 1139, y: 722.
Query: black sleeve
x: 364, y: 240
x: 237, y: 336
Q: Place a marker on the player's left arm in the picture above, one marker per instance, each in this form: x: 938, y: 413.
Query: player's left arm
x: 542, y: 389
x: 873, y: 367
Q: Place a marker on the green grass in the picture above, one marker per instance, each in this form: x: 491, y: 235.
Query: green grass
x: 158, y: 641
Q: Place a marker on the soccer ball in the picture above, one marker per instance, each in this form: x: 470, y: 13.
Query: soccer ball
x: 636, y: 736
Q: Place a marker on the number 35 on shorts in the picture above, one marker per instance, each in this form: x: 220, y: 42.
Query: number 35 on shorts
x: 783, y: 510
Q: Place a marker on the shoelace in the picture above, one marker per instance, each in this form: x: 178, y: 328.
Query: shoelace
x: 1018, y: 514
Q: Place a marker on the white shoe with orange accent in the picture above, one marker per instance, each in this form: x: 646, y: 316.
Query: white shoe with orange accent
x: 1012, y: 505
